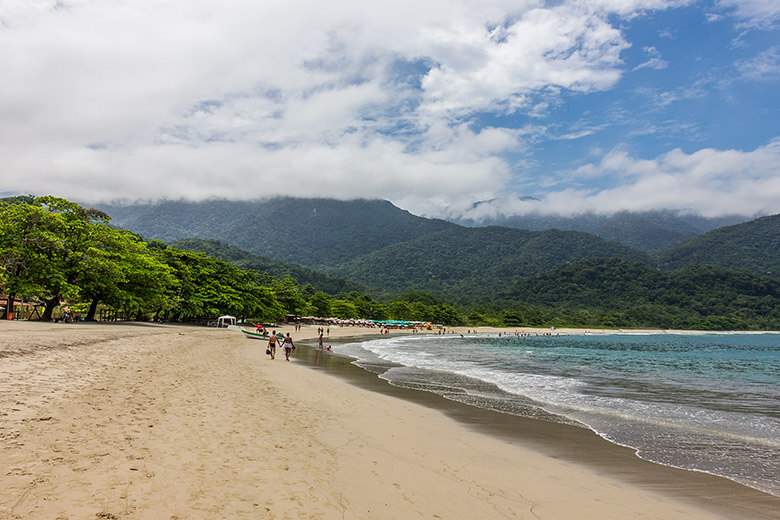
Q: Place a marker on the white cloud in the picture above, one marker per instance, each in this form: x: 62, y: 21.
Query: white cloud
x: 460, y: 162
x: 654, y: 60
x: 755, y: 12
x: 760, y: 14
x: 241, y: 99
x: 710, y: 182
x: 763, y: 67
x: 561, y: 47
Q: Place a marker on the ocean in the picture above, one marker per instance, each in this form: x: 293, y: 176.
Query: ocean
x: 702, y: 402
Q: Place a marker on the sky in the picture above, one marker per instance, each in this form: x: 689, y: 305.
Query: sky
x: 559, y: 107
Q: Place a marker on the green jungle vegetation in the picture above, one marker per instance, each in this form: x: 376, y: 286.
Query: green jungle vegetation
x: 646, y: 231
x: 268, y: 268
x: 617, y: 293
x: 753, y: 245
x: 309, y: 232
x: 360, y: 239
x: 466, y: 264
x: 54, y: 251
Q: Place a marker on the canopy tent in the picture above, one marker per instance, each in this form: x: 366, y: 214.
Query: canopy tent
x: 224, y: 321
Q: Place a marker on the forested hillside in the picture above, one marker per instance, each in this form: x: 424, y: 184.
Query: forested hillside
x: 58, y: 255
x: 53, y: 251
x: 391, y: 250
x: 753, y: 245
x: 620, y: 293
x: 646, y: 231
x: 468, y: 263
x: 309, y: 232
x: 267, y: 266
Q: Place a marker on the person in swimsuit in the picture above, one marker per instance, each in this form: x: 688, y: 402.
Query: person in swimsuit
x: 288, y: 346
x: 272, y: 344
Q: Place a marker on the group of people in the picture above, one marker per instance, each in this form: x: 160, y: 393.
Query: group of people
x: 287, y: 345
x: 287, y: 342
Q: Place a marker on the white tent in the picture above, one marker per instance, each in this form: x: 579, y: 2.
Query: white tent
x: 225, y: 321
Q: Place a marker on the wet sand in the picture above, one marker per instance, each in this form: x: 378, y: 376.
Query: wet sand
x: 578, y: 445
x: 173, y: 422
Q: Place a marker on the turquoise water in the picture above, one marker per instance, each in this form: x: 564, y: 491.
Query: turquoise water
x: 705, y: 402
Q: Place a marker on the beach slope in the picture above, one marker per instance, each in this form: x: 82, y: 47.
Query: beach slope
x: 173, y: 422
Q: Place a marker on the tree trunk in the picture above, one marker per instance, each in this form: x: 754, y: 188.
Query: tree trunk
x: 50, y: 305
x: 92, y: 310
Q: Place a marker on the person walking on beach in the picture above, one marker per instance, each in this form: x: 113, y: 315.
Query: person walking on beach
x: 320, y: 340
x: 288, y: 346
x: 272, y: 344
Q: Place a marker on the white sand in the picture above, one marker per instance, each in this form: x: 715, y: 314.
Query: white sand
x: 173, y: 422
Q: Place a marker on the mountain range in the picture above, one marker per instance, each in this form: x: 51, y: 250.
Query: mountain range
x: 646, y: 231
x: 374, y: 244
x: 753, y: 246
x: 309, y: 232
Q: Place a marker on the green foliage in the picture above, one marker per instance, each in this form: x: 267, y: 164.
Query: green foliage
x: 118, y: 269
x: 267, y: 266
x: 471, y: 264
x: 319, y: 305
x: 44, y: 241
x: 309, y: 232
x: 754, y: 246
x: 34, y: 249
x: 53, y: 249
x: 622, y: 294
x: 18, y: 199
x: 206, y: 286
x: 646, y: 231
x: 289, y: 297
x: 344, y: 309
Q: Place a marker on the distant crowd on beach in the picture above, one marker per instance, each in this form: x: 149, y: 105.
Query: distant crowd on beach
x: 286, y: 341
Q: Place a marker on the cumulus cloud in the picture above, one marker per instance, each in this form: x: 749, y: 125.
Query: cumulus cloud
x: 107, y: 100
x: 559, y: 47
x: 198, y: 99
x: 709, y: 182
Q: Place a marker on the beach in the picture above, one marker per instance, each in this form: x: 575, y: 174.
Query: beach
x: 168, y: 421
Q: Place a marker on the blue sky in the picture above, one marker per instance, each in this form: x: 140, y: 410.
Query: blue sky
x: 600, y: 105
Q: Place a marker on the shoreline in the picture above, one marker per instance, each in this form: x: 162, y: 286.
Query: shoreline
x: 579, y: 445
x: 170, y: 421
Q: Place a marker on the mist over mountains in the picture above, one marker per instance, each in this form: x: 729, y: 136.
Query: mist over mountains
x: 377, y: 223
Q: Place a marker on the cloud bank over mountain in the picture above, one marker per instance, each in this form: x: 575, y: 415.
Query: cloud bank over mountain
x: 588, y: 106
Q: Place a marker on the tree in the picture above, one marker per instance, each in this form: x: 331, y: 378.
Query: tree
x: 32, y: 251
x: 118, y: 269
x: 320, y: 304
x: 207, y: 287
x: 288, y: 295
x: 400, y: 310
x: 80, y: 225
x: 344, y: 309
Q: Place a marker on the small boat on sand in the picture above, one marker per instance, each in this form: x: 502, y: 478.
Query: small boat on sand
x: 254, y: 335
